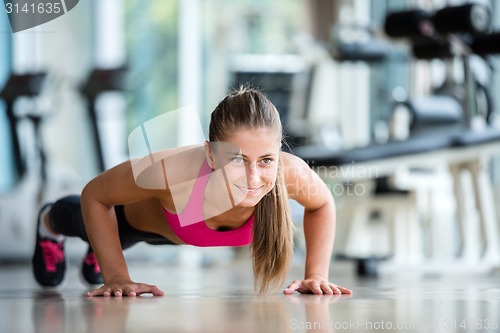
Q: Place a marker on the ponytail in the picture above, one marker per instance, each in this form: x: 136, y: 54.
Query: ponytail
x: 272, y: 246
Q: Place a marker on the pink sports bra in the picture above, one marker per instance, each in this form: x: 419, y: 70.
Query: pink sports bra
x: 199, y: 234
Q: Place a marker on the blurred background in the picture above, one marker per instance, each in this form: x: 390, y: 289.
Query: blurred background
x: 393, y: 102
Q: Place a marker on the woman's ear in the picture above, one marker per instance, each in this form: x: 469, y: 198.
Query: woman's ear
x: 209, y: 155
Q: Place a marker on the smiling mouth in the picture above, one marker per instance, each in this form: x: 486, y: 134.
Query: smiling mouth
x: 248, y: 190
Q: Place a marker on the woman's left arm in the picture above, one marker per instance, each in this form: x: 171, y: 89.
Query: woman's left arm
x: 305, y: 186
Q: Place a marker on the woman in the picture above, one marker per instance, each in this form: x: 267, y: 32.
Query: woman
x: 241, y: 183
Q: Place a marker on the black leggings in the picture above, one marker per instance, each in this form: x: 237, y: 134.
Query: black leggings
x: 66, y: 218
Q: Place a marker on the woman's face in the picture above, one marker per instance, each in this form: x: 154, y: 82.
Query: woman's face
x: 249, y: 160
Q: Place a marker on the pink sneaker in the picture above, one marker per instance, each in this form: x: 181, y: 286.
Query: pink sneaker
x: 48, y: 262
x: 91, y: 272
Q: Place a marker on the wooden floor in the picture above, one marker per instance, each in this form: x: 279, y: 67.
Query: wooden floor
x: 220, y: 299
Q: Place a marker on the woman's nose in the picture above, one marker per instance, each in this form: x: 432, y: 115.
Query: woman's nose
x: 253, y: 175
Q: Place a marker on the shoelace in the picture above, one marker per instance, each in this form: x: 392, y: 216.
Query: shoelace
x: 52, y: 254
x: 91, y: 260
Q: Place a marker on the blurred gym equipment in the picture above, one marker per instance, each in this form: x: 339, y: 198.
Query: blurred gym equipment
x: 29, y: 163
x: 277, y: 76
x: 17, y: 86
x: 431, y: 130
x: 100, y: 81
x: 451, y: 33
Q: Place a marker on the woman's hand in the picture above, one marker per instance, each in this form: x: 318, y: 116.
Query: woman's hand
x: 121, y: 288
x: 316, y: 285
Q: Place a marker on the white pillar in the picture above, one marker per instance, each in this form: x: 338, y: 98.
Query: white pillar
x: 110, y: 52
x: 109, y: 35
x: 189, y: 93
x: 189, y: 68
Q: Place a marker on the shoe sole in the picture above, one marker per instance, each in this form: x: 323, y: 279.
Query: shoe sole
x: 85, y: 282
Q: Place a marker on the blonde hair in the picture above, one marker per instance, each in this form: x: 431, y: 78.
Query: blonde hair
x: 272, y: 245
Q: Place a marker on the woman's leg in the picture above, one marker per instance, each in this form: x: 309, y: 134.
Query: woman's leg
x: 65, y: 218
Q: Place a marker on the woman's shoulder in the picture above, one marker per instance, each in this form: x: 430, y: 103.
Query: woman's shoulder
x: 169, y: 167
x: 294, y: 168
x: 298, y: 175
x: 178, y: 154
x: 291, y: 162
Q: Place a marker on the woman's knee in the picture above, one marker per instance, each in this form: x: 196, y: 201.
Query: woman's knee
x: 65, y: 217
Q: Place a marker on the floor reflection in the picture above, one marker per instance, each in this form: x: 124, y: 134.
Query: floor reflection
x: 407, y: 310
x: 49, y: 312
x: 52, y: 313
x: 218, y: 302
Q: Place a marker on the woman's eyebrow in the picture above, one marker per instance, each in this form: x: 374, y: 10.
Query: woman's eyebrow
x: 245, y: 156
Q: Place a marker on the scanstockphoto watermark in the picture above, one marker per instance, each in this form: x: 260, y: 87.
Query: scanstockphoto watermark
x: 356, y: 324
x: 26, y: 14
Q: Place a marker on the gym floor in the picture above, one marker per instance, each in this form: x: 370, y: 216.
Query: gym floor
x: 221, y: 299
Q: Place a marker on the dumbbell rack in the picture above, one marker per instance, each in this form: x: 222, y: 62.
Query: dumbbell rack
x: 460, y: 32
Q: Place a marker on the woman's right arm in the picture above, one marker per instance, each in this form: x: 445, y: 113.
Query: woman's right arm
x: 113, y: 187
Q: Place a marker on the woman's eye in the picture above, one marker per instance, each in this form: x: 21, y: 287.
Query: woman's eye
x: 267, y: 161
x: 237, y: 160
